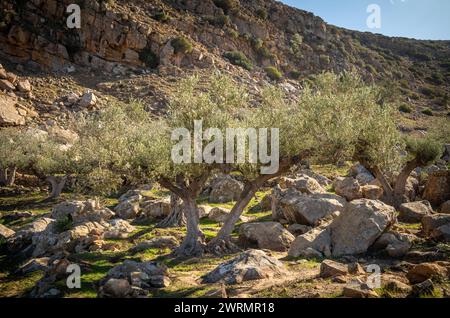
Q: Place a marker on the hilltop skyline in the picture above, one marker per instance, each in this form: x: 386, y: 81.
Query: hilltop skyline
x: 418, y: 19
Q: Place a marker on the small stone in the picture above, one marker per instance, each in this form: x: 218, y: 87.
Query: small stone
x: 88, y: 100
x: 330, y: 268
x: 24, y: 86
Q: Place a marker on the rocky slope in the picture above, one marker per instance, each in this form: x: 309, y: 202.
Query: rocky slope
x: 138, y: 49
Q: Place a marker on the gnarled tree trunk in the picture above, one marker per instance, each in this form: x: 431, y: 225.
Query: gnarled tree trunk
x: 176, y: 217
x: 3, y: 176
x: 222, y: 244
x: 11, y: 177
x: 57, y: 185
x: 400, y: 183
x: 193, y: 243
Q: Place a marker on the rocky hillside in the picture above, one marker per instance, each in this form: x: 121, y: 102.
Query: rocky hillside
x: 138, y: 49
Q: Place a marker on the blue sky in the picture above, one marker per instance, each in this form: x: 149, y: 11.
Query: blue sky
x: 419, y: 19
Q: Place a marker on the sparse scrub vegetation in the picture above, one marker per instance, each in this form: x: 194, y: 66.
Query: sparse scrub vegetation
x: 149, y: 58
x: 228, y: 6
x: 273, y: 73
x: 405, y: 108
x: 161, y: 16
x: 427, y: 112
x: 181, y: 45
x: 262, y: 13
x: 239, y: 58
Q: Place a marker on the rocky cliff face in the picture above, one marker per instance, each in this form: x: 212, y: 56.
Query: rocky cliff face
x: 122, y: 38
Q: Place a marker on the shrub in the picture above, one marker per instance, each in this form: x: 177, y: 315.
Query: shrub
x: 265, y: 53
x: 233, y: 33
x: 296, y: 45
x: 149, y: 58
x: 239, y: 58
x: 219, y: 21
x: 371, y: 69
x: 257, y: 43
x: 247, y: 36
x: 181, y: 45
x: 427, y: 112
x: 273, y: 73
x: 324, y: 59
x: 262, y: 13
x: 228, y: 6
x: 405, y: 108
x: 427, y: 91
x: 161, y: 16
x: 295, y: 74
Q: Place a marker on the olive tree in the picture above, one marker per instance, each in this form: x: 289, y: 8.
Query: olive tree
x: 322, y: 126
x: 391, y: 157
x: 198, y: 114
x: 104, y: 154
x: 49, y: 160
x: 12, y: 155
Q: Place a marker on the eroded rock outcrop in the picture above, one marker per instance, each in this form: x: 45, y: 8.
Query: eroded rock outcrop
x: 356, y: 228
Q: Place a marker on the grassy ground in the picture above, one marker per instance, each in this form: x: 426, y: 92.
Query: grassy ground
x: 184, y: 274
x: 95, y: 265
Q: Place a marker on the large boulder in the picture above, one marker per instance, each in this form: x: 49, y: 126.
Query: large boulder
x: 348, y: 188
x: 322, y: 180
x: 298, y: 208
x: 315, y: 243
x: 360, y: 173
x: 266, y: 235
x: 24, y: 235
x: 437, y: 226
x: 133, y: 279
x: 250, y: 265
x: 80, y: 211
x: 303, y: 184
x: 372, y: 192
x: 118, y: 229
x: 225, y: 189
x: 413, y: 212
x: 156, y: 209
x: 129, y: 208
x: 437, y: 189
x: 358, y: 227
x: 218, y: 214
x: 395, y: 244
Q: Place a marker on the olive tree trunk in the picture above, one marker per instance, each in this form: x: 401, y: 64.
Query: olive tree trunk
x: 222, y: 244
x: 176, y: 217
x: 401, y: 181
x: 193, y: 243
x: 11, y: 177
x: 188, y: 190
x: 3, y: 176
x: 56, y: 185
